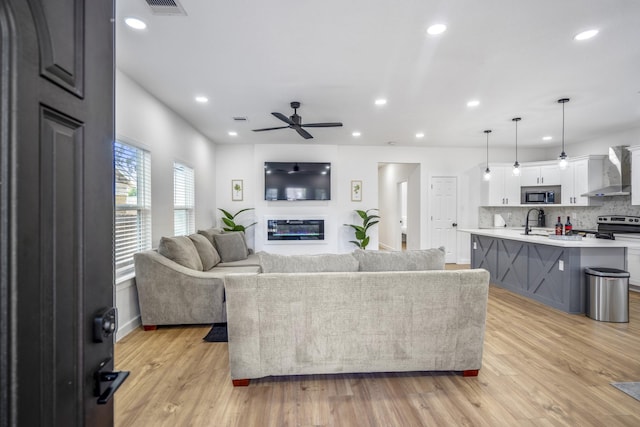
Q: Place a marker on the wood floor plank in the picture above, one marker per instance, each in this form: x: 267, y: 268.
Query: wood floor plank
x: 541, y: 367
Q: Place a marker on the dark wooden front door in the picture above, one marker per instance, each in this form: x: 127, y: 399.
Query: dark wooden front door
x: 57, y: 121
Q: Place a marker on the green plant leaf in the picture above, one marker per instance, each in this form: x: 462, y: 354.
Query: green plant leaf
x: 226, y: 213
x: 365, y: 242
x: 228, y: 222
x: 240, y: 211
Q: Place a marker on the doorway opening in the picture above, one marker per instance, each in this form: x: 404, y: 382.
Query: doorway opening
x: 399, y: 206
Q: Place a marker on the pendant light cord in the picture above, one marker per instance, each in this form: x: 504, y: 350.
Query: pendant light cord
x: 516, y: 119
x: 563, y: 101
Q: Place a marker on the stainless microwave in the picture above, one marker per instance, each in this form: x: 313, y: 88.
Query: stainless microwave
x: 540, y: 197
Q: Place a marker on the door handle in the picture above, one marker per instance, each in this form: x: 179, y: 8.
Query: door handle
x: 107, y: 382
x: 455, y: 224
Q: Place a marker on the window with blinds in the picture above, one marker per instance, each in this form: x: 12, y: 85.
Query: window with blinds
x: 132, y: 167
x: 183, y: 200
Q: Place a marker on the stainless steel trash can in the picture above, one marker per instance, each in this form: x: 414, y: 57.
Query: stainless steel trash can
x: 607, y: 294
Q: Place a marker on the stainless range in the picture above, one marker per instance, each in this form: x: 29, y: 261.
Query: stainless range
x: 627, y: 229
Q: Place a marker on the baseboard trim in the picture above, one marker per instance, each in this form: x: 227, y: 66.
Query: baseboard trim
x: 127, y: 328
x: 386, y: 247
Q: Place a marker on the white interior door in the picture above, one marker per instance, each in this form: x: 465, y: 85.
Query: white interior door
x: 444, y: 208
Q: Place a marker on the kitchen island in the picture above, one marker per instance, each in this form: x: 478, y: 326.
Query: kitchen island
x: 540, y: 267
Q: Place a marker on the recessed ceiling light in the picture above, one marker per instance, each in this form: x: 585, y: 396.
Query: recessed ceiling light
x: 436, y: 29
x: 202, y: 99
x: 547, y: 138
x: 585, y: 35
x: 233, y: 133
x: 380, y: 101
x: 356, y: 134
x: 135, y: 23
x: 473, y: 103
x: 419, y: 135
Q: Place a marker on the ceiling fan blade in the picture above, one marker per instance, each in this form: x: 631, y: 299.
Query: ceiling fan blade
x: 260, y: 130
x: 283, y: 118
x: 322, y: 125
x: 303, y: 133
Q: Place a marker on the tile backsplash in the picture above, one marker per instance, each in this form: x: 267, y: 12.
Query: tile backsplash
x: 583, y: 217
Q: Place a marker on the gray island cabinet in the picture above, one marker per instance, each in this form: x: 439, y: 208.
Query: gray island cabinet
x: 546, y: 270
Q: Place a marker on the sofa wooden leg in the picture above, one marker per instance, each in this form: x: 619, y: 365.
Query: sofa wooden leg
x: 470, y: 373
x: 149, y: 327
x: 241, y: 383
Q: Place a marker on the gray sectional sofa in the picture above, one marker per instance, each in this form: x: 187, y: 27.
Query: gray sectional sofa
x: 326, y: 314
x: 366, y: 311
x: 182, y: 282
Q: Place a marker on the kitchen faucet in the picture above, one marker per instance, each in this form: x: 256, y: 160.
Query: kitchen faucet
x: 526, y: 224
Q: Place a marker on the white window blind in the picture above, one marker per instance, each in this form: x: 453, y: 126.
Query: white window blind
x: 132, y: 167
x: 183, y: 200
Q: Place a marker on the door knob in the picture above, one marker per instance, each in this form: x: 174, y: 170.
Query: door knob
x: 455, y: 224
x: 105, y: 324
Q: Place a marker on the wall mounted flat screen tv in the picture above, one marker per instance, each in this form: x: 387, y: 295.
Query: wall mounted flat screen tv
x: 297, y: 181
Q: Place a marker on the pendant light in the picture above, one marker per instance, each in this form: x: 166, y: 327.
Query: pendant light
x: 563, y: 156
x: 516, y: 165
x: 487, y: 171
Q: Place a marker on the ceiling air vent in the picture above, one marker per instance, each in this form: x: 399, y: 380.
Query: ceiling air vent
x: 166, y: 7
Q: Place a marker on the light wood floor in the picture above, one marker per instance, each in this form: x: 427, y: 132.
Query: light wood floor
x: 541, y: 367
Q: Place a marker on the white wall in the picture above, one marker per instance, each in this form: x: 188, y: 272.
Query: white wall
x: 597, y: 145
x: 144, y: 121
x: 352, y: 163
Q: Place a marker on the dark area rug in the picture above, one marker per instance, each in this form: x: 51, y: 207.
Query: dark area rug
x: 218, y: 333
x: 631, y: 388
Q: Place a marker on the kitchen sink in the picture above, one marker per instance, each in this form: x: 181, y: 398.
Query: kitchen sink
x: 536, y: 234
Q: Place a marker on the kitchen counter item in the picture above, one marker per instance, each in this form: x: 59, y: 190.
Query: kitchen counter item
x: 498, y: 221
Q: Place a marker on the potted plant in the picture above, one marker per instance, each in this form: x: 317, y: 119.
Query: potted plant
x: 368, y: 221
x: 229, y: 220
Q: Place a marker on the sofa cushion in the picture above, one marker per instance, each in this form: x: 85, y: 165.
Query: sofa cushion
x: 210, y: 232
x: 180, y: 249
x: 273, y: 263
x: 231, y: 246
x: 208, y: 254
x: 414, y: 260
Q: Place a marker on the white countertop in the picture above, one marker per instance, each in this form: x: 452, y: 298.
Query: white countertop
x: 518, y: 234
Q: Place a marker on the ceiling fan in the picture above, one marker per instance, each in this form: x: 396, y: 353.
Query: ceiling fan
x: 295, y: 122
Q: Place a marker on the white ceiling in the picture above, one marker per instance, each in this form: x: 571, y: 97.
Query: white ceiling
x: 252, y: 57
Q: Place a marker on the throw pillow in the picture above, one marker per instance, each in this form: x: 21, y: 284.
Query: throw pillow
x: 414, y: 260
x: 231, y: 246
x: 181, y: 250
x: 208, y: 254
x: 273, y: 263
x: 210, y: 232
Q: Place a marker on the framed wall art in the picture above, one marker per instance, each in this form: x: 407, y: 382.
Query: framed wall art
x: 356, y: 191
x: 237, y: 190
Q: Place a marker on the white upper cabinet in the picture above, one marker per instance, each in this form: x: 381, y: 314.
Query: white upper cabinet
x: 581, y: 176
x: 541, y: 175
x: 503, y: 188
x: 635, y: 174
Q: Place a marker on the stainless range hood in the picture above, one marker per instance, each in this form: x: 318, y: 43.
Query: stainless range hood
x: 617, y: 174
